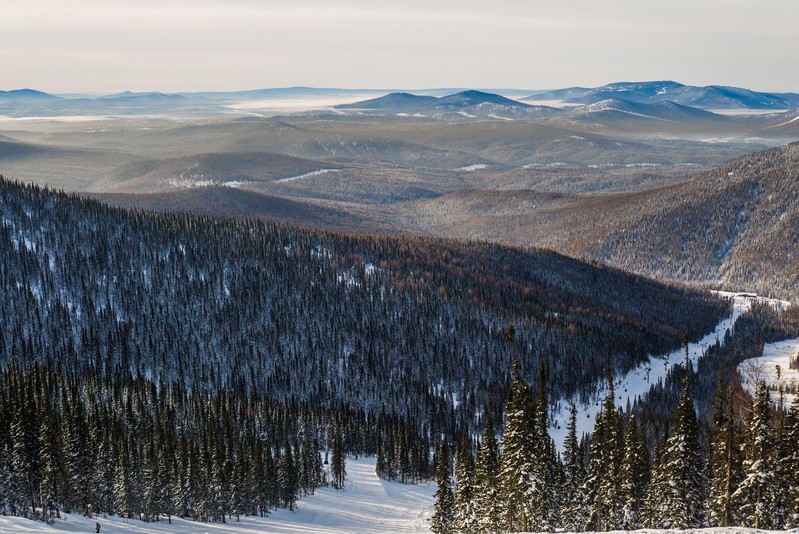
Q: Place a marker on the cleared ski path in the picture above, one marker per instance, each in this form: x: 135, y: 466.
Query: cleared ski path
x: 636, y: 383
x: 366, y: 505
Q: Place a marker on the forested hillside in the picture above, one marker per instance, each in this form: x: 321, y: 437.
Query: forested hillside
x: 738, y: 224
x: 735, y: 227
x: 248, y: 306
x: 219, y: 346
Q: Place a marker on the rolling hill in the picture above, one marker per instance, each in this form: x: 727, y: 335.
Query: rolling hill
x: 734, y: 227
x: 710, y: 97
x: 464, y: 104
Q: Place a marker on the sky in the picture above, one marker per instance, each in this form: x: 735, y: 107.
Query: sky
x: 106, y: 46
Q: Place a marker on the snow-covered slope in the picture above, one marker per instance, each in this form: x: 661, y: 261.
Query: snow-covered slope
x: 637, y: 382
x: 367, y: 504
x: 765, y: 369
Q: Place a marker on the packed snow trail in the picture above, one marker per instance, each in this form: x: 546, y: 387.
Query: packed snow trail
x: 368, y: 504
x: 636, y: 383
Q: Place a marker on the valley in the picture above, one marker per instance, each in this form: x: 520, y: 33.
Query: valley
x: 201, y: 289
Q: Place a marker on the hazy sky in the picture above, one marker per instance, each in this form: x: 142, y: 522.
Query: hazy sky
x: 186, y: 45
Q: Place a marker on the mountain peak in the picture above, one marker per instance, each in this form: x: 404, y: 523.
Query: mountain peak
x: 26, y: 94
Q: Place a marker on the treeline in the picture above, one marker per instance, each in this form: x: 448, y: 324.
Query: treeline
x: 747, y: 474
x: 92, y: 444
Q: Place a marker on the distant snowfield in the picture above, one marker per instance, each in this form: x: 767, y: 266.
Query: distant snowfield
x: 637, y: 382
x: 367, y: 504
x: 475, y: 167
x: 306, y: 175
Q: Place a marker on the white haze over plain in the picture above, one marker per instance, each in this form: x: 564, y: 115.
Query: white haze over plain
x: 187, y: 45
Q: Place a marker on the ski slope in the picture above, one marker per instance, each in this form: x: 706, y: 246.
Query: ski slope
x: 765, y: 369
x: 366, y: 505
x: 636, y: 383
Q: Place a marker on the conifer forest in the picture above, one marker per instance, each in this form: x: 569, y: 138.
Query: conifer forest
x: 175, y: 365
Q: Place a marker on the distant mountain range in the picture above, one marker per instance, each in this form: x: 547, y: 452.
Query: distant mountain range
x: 666, y: 111
x: 26, y: 95
x: 710, y: 97
x: 465, y: 103
x: 429, y: 102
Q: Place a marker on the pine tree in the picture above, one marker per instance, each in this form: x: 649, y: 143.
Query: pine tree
x: 572, y: 504
x: 684, y: 498
x: 654, y: 514
x: 601, y: 486
x: 783, y: 470
x: 517, y: 467
x: 103, y: 473
x: 338, y: 466
x: 121, y: 486
x: 545, y: 463
x: 25, y: 452
x: 487, y: 489
x: 443, y: 515
x: 287, y: 477
x: 316, y: 466
x: 755, y: 496
x: 464, y: 512
x: 52, y: 468
x: 724, y: 461
x: 633, y: 475
x: 791, y: 440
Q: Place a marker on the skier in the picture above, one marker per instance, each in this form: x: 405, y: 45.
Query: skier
x: 97, y: 528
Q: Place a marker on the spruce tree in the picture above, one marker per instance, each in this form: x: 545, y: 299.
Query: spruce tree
x: 443, y: 514
x: 724, y: 463
x: 545, y: 463
x: 517, y: 466
x: 52, y: 469
x: 755, y: 496
x: 572, y: 504
x: 487, y: 492
x: 791, y: 440
x: 287, y: 477
x: 338, y: 466
x: 601, y: 486
x: 464, y: 510
x: 634, y: 475
x: 684, y: 497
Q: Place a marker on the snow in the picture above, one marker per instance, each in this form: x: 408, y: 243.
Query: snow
x: 235, y: 184
x: 191, y: 181
x: 765, y: 368
x: 636, y: 383
x: 306, y: 175
x: 784, y: 123
x: 495, y: 116
x: 608, y: 106
x: 367, y: 504
x: 475, y: 167
x: 553, y: 164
